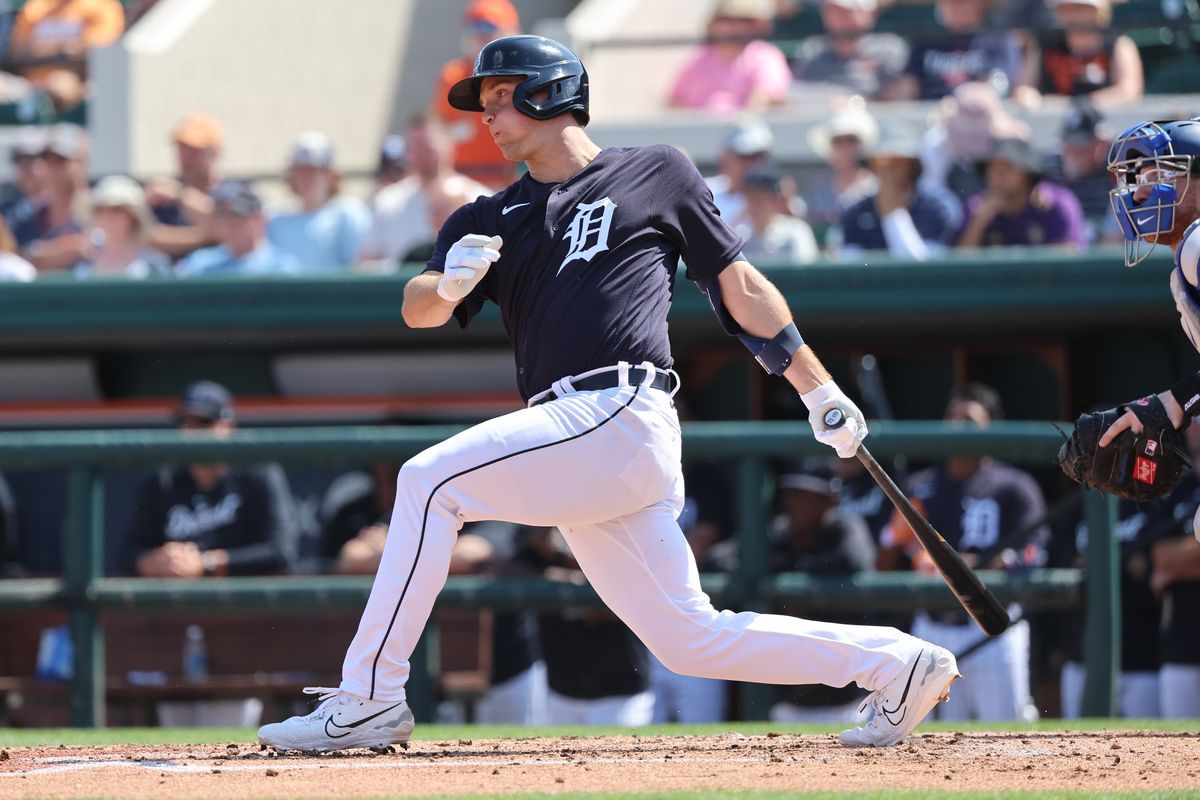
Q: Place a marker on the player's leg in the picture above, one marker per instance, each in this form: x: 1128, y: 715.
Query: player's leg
x: 642, y: 567
x: 1137, y: 695
x: 1179, y: 685
x: 1000, y: 675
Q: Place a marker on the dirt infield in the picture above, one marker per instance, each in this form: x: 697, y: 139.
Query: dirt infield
x: 1089, y: 761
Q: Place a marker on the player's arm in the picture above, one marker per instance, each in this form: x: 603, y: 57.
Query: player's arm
x: 423, y: 306
x: 762, y: 321
x: 460, y: 261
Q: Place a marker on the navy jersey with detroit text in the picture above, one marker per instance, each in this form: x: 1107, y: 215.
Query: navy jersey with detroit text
x: 587, y: 269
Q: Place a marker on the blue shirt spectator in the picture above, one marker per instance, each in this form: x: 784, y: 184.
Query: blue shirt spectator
x: 327, y: 231
x: 240, y: 228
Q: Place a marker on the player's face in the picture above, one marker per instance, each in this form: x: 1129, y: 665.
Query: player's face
x: 513, y: 132
x: 1185, y: 212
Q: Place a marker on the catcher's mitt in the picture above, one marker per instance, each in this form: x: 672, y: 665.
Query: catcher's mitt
x: 1136, y: 466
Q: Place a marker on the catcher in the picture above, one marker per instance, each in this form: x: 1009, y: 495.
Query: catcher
x: 1137, y: 451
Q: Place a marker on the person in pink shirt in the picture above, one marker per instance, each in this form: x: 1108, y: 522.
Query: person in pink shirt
x: 735, y: 69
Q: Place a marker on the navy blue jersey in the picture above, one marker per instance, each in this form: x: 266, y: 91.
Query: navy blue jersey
x: 996, y: 502
x: 587, y: 269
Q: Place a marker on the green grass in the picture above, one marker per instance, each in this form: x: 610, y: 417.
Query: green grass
x: 56, y: 736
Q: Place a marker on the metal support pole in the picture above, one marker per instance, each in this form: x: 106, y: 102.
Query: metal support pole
x: 754, y: 566
x: 1102, y: 641
x: 83, y: 557
x: 423, y: 666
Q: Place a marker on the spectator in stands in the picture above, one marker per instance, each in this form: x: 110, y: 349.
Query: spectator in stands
x: 184, y: 204
x: 772, y: 234
x: 211, y: 519
x: 392, y: 165
x: 1175, y: 576
x: 475, y: 154
x: 903, y: 217
x: 1083, y: 57
x: 12, y: 266
x: 47, y: 31
x: 735, y: 69
x: 844, y: 143
x: 240, y: 229
x: 121, y: 221
x: 326, y: 232
x: 849, y: 56
x: 597, y: 670
x: 970, y: 122
x: 19, y: 199
x: 52, y: 236
x: 1018, y: 208
x: 409, y: 213
x: 1083, y: 169
x: 859, y: 495
x: 746, y: 146
x: 994, y: 515
x: 961, y: 51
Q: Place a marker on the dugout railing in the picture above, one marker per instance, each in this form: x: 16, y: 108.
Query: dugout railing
x: 83, y: 591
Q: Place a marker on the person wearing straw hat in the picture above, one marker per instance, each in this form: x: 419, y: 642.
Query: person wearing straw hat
x: 843, y: 143
x: 121, y: 221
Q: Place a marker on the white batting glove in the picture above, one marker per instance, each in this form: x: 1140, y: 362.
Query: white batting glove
x: 844, y: 438
x: 467, y: 262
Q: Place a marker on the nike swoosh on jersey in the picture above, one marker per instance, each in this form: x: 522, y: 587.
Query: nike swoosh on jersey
x: 504, y: 211
x: 350, y: 728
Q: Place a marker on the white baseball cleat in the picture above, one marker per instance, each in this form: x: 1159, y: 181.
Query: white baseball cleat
x: 340, y: 722
x: 901, y: 705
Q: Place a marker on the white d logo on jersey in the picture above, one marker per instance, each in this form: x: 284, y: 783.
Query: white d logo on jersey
x: 588, y: 231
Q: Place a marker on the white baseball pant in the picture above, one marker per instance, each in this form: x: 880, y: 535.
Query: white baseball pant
x: 604, y: 467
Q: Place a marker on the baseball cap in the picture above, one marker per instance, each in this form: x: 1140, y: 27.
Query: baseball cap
x: 497, y: 14
x: 1019, y: 152
x: 65, y: 140
x: 815, y: 475
x: 312, y: 149
x: 200, y: 131
x: 750, y: 138
x: 855, y: 5
x: 236, y: 198
x: 1083, y: 124
x: 898, y: 141
x: 392, y: 151
x: 207, y: 400
x: 763, y: 10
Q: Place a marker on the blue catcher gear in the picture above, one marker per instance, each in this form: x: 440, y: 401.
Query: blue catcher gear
x: 1147, y: 160
x: 545, y: 65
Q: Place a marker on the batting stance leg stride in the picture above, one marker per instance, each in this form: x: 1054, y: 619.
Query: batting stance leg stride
x: 591, y: 239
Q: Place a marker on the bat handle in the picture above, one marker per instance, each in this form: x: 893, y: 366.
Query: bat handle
x: 834, y: 418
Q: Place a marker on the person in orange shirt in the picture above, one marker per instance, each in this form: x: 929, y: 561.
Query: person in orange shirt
x: 66, y: 29
x: 475, y: 155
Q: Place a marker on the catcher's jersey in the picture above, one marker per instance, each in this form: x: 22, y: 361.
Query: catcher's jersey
x: 587, y: 268
x: 1185, y: 281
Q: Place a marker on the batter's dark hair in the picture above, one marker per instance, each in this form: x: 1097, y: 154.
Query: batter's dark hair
x: 982, y: 394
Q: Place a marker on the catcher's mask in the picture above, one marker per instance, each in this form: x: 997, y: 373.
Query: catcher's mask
x: 1154, y: 155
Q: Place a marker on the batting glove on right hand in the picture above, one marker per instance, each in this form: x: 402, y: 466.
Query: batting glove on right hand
x: 844, y: 437
x: 467, y: 262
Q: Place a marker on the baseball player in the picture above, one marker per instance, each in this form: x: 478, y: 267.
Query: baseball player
x: 580, y: 255
x: 1155, y: 203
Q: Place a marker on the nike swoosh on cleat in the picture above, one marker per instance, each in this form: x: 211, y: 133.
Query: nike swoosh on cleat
x: 350, y: 728
x: 504, y: 211
x: 887, y: 713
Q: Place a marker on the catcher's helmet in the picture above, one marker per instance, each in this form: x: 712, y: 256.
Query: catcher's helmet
x: 1153, y: 155
x: 545, y: 65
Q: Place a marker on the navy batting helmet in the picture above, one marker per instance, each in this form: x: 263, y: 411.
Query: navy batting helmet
x: 545, y: 65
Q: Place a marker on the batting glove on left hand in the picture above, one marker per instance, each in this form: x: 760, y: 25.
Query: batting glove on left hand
x: 843, y: 438
x: 467, y: 262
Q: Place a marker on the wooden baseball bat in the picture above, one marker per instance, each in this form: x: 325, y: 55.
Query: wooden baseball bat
x: 980, y: 603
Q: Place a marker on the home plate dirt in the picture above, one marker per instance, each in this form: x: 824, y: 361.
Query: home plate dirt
x: 1094, y: 760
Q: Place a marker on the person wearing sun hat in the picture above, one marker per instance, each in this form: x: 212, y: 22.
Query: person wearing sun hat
x: 842, y: 142
x: 121, y: 221
x: 475, y: 154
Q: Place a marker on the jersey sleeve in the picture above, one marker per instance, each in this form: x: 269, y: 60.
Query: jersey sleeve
x: 461, y: 222
x: 689, y: 218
